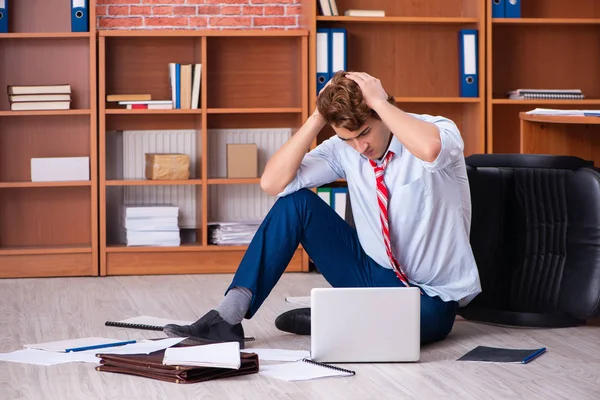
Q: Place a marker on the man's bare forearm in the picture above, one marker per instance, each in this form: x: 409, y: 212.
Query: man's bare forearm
x: 421, y: 138
x: 282, y: 167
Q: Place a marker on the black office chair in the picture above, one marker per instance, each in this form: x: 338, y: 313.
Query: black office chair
x: 535, y: 234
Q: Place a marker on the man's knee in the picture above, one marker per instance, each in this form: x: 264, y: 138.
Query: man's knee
x: 297, y: 196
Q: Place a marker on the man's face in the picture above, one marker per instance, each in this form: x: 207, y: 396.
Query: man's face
x: 371, y: 140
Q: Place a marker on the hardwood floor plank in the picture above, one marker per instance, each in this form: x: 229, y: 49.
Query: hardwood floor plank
x: 38, y: 310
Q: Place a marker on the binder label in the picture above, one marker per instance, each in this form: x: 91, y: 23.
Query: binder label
x: 470, y: 65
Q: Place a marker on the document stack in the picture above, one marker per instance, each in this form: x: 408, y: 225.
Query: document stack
x: 151, y: 225
x: 40, y: 97
x: 232, y: 233
x: 546, y: 94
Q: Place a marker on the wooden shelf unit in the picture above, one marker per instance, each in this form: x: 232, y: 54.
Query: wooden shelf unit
x: 547, y: 48
x: 414, y: 51
x: 250, y: 79
x: 47, y: 228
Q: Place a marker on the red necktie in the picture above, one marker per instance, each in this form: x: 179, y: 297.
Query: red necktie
x: 382, y: 199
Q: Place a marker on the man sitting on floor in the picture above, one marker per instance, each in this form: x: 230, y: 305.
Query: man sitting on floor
x: 411, y: 205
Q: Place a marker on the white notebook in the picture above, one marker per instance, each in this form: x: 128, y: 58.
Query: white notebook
x: 302, y: 370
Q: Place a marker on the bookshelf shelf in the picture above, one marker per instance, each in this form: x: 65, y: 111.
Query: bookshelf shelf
x: 546, y: 21
x: 536, y: 51
x: 399, y: 20
x: 256, y: 101
x: 120, y: 248
x: 44, y: 112
x: 122, y: 111
x: 148, y: 182
x: 48, y: 229
x: 437, y: 100
x: 46, y: 35
x: 44, y: 250
x: 233, y: 181
x: 44, y: 184
x: 272, y: 110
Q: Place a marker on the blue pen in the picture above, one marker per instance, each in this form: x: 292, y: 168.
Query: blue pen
x: 534, y: 355
x: 99, y: 346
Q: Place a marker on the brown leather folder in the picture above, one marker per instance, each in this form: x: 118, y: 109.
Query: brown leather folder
x: 151, y: 366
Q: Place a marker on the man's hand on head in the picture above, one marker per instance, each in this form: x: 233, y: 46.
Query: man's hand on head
x: 371, y: 88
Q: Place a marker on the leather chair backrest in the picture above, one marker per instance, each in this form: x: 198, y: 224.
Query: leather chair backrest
x: 535, y: 234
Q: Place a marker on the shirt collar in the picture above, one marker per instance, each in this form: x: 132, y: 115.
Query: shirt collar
x: 394, y: 146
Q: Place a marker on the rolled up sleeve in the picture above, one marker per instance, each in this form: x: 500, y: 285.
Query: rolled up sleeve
x: 452, y: 144
x: 318, y: 167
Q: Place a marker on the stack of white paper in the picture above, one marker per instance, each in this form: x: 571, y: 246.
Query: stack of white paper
x: 219, y: 355
x: 151, y: 225
x: 53, y: 353
x: 232, y: 233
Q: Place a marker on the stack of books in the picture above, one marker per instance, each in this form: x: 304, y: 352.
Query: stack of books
x: 39, y: 97
x: 232, y: 233
x: 185, y: 81
x: 137, y: 101
x: 151, y: 225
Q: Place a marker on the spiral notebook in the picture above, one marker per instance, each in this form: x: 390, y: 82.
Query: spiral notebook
x: 152, y: 324
x: 145, y: 322
x: 303, y: 370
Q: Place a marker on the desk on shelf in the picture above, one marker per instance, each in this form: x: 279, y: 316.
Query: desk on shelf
x: 562, y: 135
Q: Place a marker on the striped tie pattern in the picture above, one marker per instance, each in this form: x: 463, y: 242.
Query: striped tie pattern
x: 382, y: 199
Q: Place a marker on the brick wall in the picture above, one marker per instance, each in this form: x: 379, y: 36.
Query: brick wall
x: 198, y: 14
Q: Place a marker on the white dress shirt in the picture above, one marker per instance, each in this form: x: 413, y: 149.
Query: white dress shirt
x: 429, y: 209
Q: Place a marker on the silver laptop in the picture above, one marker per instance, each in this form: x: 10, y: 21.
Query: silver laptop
x: 366, y: 324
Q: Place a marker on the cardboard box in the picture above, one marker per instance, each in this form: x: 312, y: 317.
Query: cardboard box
x: 163, y: 166
x: 56, y: 169
x: 242, y: 161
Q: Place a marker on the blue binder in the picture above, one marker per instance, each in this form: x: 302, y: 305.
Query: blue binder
x: 498, y: 8
x: 80, y: 16
x: 512, y: 8
x: 338, y: 38
x: 323, y: 56
x: 3, y: 16
x: 468, y: 65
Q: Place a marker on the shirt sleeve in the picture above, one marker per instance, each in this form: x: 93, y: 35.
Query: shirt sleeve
x: 452, y: 143
x: 318, y: 167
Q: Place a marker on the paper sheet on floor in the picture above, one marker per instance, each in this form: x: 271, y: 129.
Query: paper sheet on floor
x: 42, y: 357
x: 278, y: 354
x: 302, y: 370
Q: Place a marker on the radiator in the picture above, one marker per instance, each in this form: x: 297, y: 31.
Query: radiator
x: 135, y: 145
x: 228, y: 203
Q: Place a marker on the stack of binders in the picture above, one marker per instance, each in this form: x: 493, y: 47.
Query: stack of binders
x: 80, y: 16
x: 331, y: 54
x: 506, y: 8
x: 338, y: 198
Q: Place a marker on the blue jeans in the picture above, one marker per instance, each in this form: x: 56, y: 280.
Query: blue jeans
x: 333, y: 245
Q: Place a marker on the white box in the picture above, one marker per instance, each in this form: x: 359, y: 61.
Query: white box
x: 60, y: 169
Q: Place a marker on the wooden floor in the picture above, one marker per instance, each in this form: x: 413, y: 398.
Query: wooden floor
x: 39, y: 310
